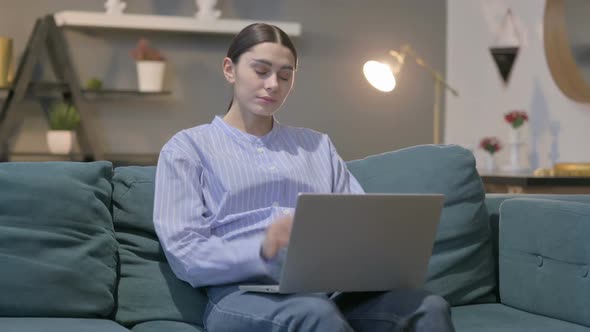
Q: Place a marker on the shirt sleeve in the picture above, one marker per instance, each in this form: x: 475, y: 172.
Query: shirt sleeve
x: 342, y: 180
x: 184, y: 231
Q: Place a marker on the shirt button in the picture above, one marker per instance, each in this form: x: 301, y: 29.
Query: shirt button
x: 275, y: 204
x: 272, y: 168
x: 260, y: 150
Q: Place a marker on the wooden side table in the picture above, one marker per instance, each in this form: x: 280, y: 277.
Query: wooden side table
x: 527, y: 183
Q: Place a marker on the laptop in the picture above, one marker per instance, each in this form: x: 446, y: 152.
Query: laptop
x: 358, y: 243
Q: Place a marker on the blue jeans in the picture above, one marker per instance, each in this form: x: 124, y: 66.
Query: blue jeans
x: 230, y: 309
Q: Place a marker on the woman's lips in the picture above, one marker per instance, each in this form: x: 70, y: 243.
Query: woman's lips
x: 267, y: 99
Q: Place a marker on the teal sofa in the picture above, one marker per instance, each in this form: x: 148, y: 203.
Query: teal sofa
x: 78, y: 250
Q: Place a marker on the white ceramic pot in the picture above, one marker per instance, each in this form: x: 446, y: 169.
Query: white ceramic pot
x: 60, y: 141
x: 150, y: 75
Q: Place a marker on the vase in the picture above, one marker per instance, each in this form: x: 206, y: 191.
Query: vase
x: 516, y: 144
x: 490, y: 162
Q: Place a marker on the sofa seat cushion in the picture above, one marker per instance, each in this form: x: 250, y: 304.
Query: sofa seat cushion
x: 165, y: 325
x: 544, y: 257
x: 58, y: 252
x: 498, y: 317
x: 27, y: 324
x: 461, y: 267
x: 148, y: 289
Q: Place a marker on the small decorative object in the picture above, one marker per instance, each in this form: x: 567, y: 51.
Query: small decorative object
x: 5, y: 61
x: 504, y: 52
x: 490, y: 145
x: 94, y: 84
x: 115, y: 7
x: 150, y: 66
x: 206, y: 10
x: 516, y: 119
x: 63, y: 120
x: 572, y: 169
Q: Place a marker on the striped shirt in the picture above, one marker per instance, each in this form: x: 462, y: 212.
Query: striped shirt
x: 218, y: 188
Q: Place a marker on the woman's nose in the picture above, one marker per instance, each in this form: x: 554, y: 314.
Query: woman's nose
x: 271, y: 83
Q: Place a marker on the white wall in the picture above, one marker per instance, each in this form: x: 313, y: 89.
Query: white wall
x: 559, y: 128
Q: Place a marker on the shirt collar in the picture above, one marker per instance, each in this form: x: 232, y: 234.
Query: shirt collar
x: 238, y: 134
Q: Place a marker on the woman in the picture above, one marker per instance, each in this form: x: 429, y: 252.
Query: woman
x: 225, y: 194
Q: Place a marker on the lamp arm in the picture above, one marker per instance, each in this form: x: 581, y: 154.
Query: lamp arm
x: 436, y: 75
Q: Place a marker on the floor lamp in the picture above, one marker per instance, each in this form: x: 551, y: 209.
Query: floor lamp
x: 382, y: 77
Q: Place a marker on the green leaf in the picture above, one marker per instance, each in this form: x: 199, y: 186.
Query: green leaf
x: 63, y: 116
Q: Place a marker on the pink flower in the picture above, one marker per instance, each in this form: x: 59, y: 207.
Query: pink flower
x: 516, y: 118
x: 490, y: 144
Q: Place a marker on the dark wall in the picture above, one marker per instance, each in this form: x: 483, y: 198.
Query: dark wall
x: 330, y: 93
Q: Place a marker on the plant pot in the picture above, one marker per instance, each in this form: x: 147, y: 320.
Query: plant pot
x: 150, y: 75
x: 60, y: 141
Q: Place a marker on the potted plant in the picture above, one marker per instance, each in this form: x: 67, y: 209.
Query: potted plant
x: 63, y: 121
x: 150, y: 66
x: 516, y: 119
x: 94, y: 84
x: 491, y: 145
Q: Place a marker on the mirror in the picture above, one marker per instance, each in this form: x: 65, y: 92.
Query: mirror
x: 567, y: 46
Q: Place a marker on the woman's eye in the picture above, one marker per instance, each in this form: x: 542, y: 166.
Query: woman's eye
x: 261, y: 72
x: 284, y: 78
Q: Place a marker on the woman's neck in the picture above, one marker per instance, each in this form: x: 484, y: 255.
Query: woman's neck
x: 257, y: 125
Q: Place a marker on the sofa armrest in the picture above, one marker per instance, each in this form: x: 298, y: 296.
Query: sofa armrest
x: 544, y: 257
x: 493, y: 202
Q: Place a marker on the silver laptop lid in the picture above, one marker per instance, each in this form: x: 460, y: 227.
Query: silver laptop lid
x: 370, y: 242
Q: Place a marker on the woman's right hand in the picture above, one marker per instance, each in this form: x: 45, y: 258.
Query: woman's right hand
x: 277, y: 236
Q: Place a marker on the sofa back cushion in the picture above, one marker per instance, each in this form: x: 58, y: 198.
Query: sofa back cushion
x: 544, y: 251
x: 58, y: 253
x: 148, y: 289
x: 461, y: 267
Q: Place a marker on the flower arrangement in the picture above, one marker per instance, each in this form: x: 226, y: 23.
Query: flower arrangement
x: 516, y: 118
x: 144, y: 52
x: 490, y: 144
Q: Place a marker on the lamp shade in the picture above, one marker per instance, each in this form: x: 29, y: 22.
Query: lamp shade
x: 379, y: 75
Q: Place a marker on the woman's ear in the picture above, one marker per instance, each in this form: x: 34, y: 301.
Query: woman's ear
x: 228, y: 70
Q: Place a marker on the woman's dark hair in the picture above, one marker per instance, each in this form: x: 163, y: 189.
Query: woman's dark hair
x: 255, y: 34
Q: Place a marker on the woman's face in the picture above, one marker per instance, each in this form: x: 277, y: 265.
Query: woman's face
x: 262, y: 78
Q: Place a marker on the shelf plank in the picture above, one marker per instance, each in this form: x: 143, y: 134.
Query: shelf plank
x: 114, y: 92
x: 118, y: 159
x: 50, y: 89
x: 162, y: 23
